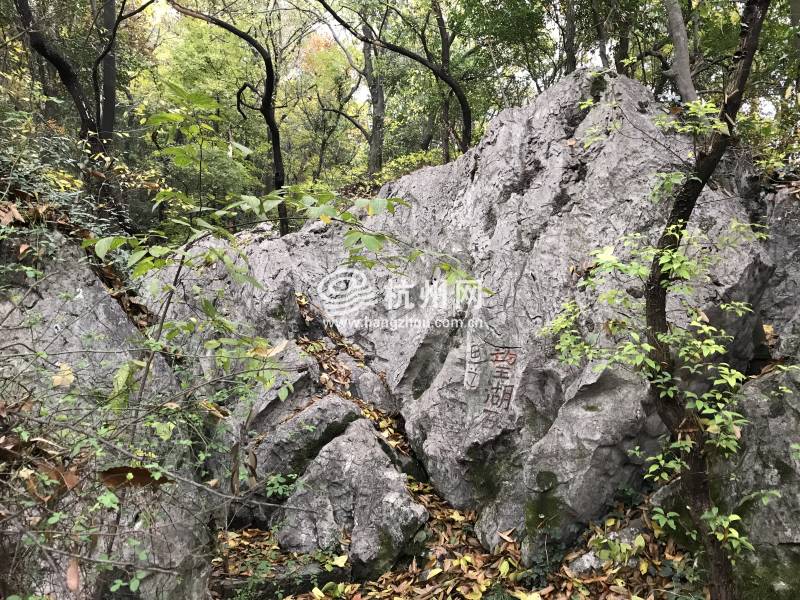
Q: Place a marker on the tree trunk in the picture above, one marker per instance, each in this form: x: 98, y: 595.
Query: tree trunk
x: 50, y: 107
x: 681, y: 65
x: 600, y: 30
x: 673, y: 411
x: 446, y: 130
x: 438, y: 71
x: 427, y: 132
x: 696, y: 486
x: 621, y: 51
x: 570, y: 31
x: 66, y: 72
x: 378, y: 105
x: 267, y: 108
x: 279, y: 170
x: 108, y: 109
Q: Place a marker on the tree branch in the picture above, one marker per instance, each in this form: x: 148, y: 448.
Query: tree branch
x: 66, y: 71
x: 438, y: 71
x: 267, y: 108
x: 681, y: 67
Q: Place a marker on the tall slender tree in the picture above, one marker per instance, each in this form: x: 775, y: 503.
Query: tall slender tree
x: 266, y: 106
x: 673, y: 410
x: 441, y: 71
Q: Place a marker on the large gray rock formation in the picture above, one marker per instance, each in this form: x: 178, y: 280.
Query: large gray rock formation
x: 780, y: 307
x: 295, y: 442
x: 499, y: 422
x: 352, y: 486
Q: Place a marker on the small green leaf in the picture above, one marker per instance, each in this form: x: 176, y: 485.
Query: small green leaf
x: 106, y: 244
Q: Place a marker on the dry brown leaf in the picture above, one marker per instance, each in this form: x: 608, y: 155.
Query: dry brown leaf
x: 118, y: 477
x: 506, y: 535
x: 65, y: 376
x: 73, y: 575
x: 9, y: 214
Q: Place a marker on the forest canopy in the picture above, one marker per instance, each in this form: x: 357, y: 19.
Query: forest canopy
x: 360, y: 93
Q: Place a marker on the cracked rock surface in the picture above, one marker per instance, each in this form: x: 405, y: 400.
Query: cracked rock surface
x: 499, y: 423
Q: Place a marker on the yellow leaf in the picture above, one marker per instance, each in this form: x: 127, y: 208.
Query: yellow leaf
x: 278, y: 348
x: 504, y: 567
x: 433, y: 573
x: 317, y: 593
x: 65, y: 377
x: 643, y: 566
x: 340, y: 561
x: 262, y: 351
x: 325, y: 219
x: 456, y: 516
x: 526, y: 596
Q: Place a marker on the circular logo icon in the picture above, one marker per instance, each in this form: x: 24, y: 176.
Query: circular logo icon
x: 345, y: 291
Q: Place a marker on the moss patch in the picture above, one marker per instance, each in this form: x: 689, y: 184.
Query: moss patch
x: 545, y: 509
x: 775, y: 575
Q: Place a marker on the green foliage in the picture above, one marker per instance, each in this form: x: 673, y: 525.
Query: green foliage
x: 721, y: 527
x: 613, y: 548
x: 280, y: 486
x: 664, y: 520
x: 666, y: 185
x: 698, y: 118
x: 697, y: 347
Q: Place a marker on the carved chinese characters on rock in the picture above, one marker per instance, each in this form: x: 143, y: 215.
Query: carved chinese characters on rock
x: 472, y: 375
x: 499, y: 388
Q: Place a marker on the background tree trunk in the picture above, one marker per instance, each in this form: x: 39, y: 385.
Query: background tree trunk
x: 446, y: 129
x: 681, y: 65
x: 267, y: 107
x: 441, y: 73
x: 108, y: 107
x: 570, y: 32
x: 378, y: 106
x: 600, y: 30
x: 66, y: 72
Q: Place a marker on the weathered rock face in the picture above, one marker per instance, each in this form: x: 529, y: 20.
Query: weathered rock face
x: 64, y: 339
x: 352, y: 486
x: 780, y: 306
x: 298, y: 440
x: 768, y: 461
x: 500, y: 424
